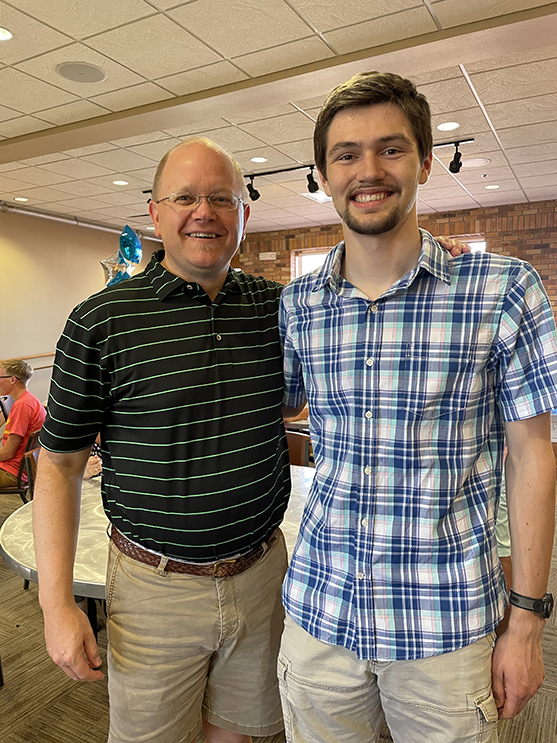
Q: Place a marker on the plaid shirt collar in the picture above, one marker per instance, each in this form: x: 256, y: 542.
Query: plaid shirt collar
x: 433, y: 259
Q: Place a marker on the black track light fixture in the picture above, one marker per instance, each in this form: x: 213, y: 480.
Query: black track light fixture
x: 253, y: 192
x: 455, y: 165
x: 313, y: 186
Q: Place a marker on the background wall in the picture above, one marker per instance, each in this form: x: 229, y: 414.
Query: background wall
x: 46, y: 268
x: 526, y: 231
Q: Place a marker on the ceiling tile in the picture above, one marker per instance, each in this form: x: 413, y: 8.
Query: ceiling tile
x: 38, y: 176
x: 44, y: 159
x: 514, y: 83
x: 155, y: 150
x: 91, y: 149
x: 7, y: 183
x: 241, y: 26
x: 326, y: 15
x: 79, y: 204
x: 381, y: 31
x: 479, y: 189
x: 154, y: 45
x: 310, y: 103
x: 136, y: 95
x: 70, y: 112
x: 471, y: 120
x: 81, y: 19
x: 44, y: 67
x: 279, y: 129
x: 447, y: 205
x: 258, y: 113
x: 301, y: 151
x: 22, y: 125
x: 140, y: 139
x: 508, y: 197
x: 76, y: 168
x: 275, y: 159
x: 81, y: 188
x: 508, y: 60
x: 134, y: 181
x: 27, y: 94
x: 203, y: 78
x: 483, y: 142
x: 5, y: 167
x: 145, y: 174
x: 541, y: 194
x: 8, y: 113
x: 474, y: 175
x: 187, y: 129
x: 540, y: 168
x: 455, y: 13
x: 234, y: 139
x: 532, y: 134
x: 119, y: 160
x: 531, y: 154
x: 448, y: 95
x: 121, y: 199
x: 433, y: 76
x: 29, y: 36
x: 428, y: 192
x: 272, y: 191
x: 286, y: 201
x: 496, y: 157
x: 40, y: 195
x: 540, y: 181
x: 293, y: 54
x: 539, y: 108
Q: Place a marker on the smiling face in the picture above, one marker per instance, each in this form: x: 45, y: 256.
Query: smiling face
x: 199, y: 242
x: 374, y: 169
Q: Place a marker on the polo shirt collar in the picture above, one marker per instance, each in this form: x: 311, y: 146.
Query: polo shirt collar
x: 166, y: 283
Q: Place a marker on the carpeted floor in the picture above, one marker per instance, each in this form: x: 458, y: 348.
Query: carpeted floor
x: 40, y: 704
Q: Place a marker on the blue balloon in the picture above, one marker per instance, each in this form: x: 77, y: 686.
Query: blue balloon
x: 130, y: 246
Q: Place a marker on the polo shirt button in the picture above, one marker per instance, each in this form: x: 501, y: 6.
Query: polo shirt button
x: 219, y: 337
x: 360, y: 576
x: 367, y: 470
x: 189, y: 286
x: 369, y: 414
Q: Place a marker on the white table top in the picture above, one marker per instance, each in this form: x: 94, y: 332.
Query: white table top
x: 17, y: 547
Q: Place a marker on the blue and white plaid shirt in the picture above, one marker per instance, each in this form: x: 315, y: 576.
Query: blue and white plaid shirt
x: 396, y: 557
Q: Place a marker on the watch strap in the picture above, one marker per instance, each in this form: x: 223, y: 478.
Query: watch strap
x: 542, y: 606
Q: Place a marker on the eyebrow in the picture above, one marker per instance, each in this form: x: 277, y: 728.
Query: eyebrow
x: 347, y: 144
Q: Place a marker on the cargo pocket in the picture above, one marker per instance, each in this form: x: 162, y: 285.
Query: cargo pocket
x: 488, y: 716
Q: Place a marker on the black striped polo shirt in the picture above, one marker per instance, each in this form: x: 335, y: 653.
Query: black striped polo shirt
x: 186, y: 393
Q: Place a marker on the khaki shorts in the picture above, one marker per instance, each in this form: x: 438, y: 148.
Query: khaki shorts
x: 183, y: 647
x: 7, y: 480
x: 328, y: 695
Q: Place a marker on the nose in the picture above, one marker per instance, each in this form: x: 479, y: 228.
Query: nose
x: 371, y: 167
x: 203, y: 209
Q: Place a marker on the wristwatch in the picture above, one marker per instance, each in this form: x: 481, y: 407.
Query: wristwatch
x: 543, y: 606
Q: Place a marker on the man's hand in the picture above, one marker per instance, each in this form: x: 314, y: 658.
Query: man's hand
x: 455, y: 247
x: 517, y: 666
x: 71, y: 644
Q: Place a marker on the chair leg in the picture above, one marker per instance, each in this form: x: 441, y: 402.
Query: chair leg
x: 25, y: 584
x: 22, y: 496
x: 1, y: 675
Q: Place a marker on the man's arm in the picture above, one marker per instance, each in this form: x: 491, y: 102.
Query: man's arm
x: 69, y: 637
x: 9, y: 450
x: 517, y: 667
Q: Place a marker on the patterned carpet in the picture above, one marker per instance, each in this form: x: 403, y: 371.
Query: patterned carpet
x: 40, y: 704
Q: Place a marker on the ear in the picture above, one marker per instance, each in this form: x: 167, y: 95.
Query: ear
x: 247, y: 211
x: 426, y: 169
x: 324, y: 182
x: 154, y: 212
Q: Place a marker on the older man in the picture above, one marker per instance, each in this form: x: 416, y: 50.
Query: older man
x: 180, y: 369
x: 26, y: 415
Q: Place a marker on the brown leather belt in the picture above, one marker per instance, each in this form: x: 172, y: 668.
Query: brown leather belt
x: 220, y: 569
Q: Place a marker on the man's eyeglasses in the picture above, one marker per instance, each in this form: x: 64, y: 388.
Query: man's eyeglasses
x: 223, y: 202
x: 8, y: 376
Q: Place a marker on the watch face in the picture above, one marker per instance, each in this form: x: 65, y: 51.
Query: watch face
x: 547, y: 605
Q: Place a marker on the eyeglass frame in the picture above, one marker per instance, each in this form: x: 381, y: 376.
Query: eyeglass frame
x: 9, y: 376
x: 198, y: 198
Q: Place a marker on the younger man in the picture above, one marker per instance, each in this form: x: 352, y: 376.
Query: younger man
x: 415, y: 368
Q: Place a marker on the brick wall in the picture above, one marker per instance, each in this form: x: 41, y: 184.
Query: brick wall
x: 526, y: 231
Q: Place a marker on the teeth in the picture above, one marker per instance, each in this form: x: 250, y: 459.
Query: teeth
x: 363, y: 198
x: 202, y: 234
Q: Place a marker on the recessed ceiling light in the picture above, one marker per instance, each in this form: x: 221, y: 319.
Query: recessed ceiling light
x: 258, y: 159
x: 5, y: 34
x: 81, y: 72
x: 120, y: 183
x: 491, y: 188
x: 150, y: 228
x: 448, y: 126
x: 20, y: 198
x: 475, y: 162
x: 319, y: 196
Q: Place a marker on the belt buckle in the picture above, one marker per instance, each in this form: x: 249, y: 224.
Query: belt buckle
x: 223, y: 562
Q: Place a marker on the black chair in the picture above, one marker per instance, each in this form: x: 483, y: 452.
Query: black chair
x: 298, y: 448
x: 22, y: 485
x: 31, y: 457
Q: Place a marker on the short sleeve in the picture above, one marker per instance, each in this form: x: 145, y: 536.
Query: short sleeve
x: 526, y: 349
x: 294, y: 392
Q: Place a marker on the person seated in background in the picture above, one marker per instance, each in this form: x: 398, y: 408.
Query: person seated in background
x: 26, y: 415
